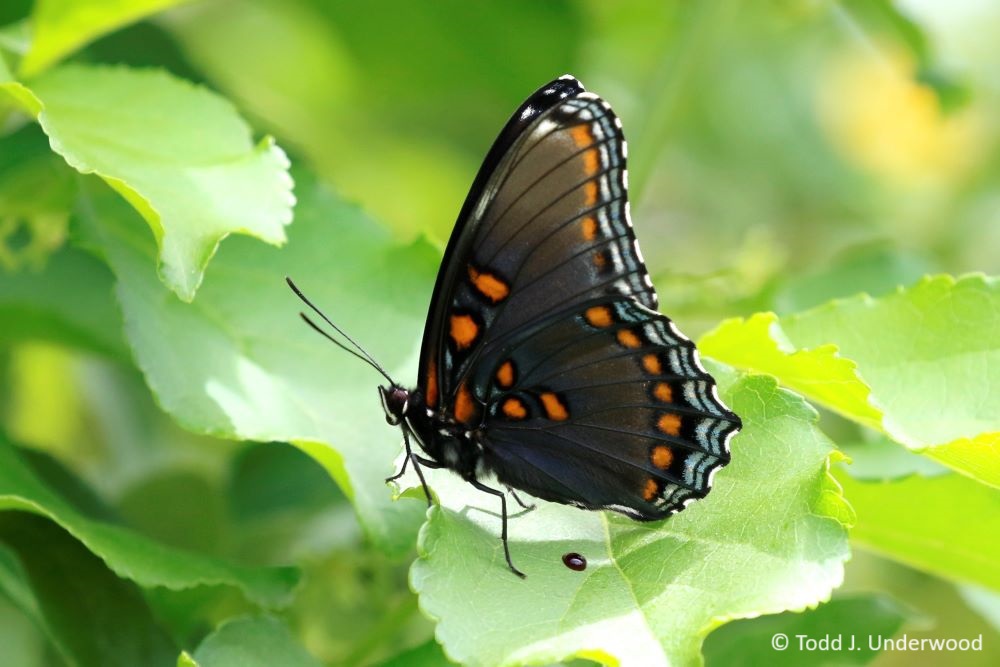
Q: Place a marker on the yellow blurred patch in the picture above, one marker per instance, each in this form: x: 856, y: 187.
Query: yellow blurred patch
x: 45, y: 410
x: 883, y: 119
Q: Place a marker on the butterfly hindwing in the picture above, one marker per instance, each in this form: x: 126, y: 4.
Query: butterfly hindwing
x: 613, y: 404
x: 543, y: 335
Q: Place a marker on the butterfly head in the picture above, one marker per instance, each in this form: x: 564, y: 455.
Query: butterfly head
x: 395, y: 402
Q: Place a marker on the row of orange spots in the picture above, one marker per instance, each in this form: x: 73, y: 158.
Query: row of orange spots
x: 582, y: 136
x: 628, y: 338
x: 600, y: 258
x: 590, y: 162
x: 651, y: 364
x: 505, y: 375
x: 464, y: 331
x: 669, y: 423
x: 598, y: 316
x: 432, y: 383
x: 590, y: 193
x: 464, y: 406
x: 663, y: 393
x: 493, y: 288
x: 514, y: 408
x: 661, y: 457
x: 589, y: 226
x: 554, y: 407
x: 650, y: 490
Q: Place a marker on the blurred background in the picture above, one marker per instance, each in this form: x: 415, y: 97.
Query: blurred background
x: 781, y: 154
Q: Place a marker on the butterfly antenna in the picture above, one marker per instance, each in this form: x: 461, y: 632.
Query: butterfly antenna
x: 363, y: 356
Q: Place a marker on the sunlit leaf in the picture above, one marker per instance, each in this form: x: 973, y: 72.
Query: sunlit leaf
x: 178, y: 153
x: 821, y: 373
x: 948, y: 525
x: 770, y: 537
x: 355, y: 100
x: 15, y: 93
x: 239, y: 362
x: 926, y: 352
x: 60, y: 27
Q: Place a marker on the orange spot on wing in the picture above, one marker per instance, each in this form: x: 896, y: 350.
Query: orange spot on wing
x: 590, y: 162
x: 651, y: 364
x: 581, y: 136
x: 650, y: 490
x: 589, y: 226
x: 464, y: 330
x: 555, y: 409
x: 669, y: 423
x: 598, y: 316
x: 489, y: 285
x: 662, y: 457
x: 514, y: 408
x: 590, y: 193
x: 432, y: 384
x: 464, y: 406
x: 505, y: 374
x: 663, y: 392
x: 628, y: 338
x: 600, y: 259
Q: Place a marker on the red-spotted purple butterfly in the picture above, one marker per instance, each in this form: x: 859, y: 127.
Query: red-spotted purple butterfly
x: 545, y: 365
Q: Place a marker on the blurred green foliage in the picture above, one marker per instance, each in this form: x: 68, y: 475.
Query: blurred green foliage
x: 782, y: 155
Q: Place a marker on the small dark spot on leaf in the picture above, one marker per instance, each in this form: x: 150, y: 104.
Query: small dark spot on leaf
x: 575, y: 561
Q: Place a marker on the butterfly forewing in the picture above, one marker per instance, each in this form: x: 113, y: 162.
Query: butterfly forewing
x: 543, y: 335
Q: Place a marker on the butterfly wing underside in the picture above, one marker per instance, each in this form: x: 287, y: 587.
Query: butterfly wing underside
x: 543, y: 335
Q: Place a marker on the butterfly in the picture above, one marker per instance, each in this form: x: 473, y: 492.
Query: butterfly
x: 545, y: 365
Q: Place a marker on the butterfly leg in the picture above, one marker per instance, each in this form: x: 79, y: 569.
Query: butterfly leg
x: 402, y: 471
x: 503, y: 531
x: 417, y: 460
x: 519, y: 501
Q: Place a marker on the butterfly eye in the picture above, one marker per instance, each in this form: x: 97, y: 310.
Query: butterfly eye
x: 394, y: 401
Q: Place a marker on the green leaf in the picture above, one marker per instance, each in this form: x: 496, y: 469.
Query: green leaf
x: 879, y: 459
x: 261, y: 641
x: 926, y: 352
x: 60, y: 27
x: 15, y: 93
x: 428, y: 654
x: 852, y: 619
x: 873, y: 268
x: 770, y: 537
x: 821, y: 374
x: 23, y: 642
x: 948, y: 525
x: 178, y: 153
x: 36, y: 193
x: 354, y: 98
x: 70, y: 302
x: 93, y: 618
x: 239, y: 362
x: 132, y: 556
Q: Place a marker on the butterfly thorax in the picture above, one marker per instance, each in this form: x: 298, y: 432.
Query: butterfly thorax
x: 449, y: 443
